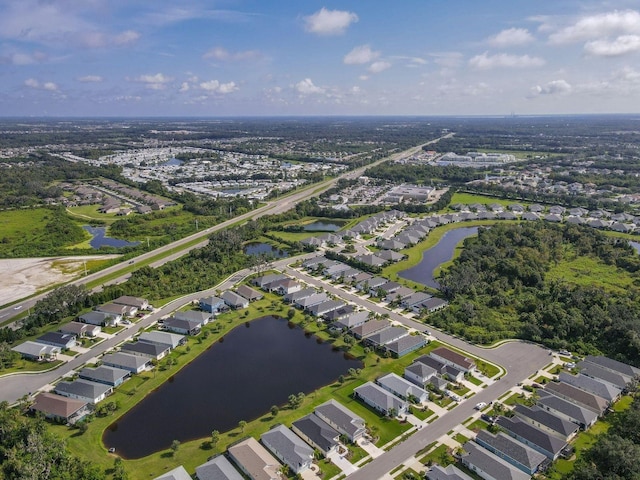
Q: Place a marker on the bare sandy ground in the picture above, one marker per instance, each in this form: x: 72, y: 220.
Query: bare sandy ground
x: 22, y: 277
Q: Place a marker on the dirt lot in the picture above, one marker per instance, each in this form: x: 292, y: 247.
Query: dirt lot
x: 22, y: 277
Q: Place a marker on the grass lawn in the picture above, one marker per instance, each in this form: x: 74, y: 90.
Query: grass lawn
x: 461, y: 439
x: 24, y: 365
x: 582, y: 442
x: 356, y: 454
x: 90, y: 212
x: 329, y: 469
x: 292, y: 236
x: 459, y: 390
x: 478, y: 425
x: 439, y: 455
x: 408, y: 473
x: 421, y: 414
x: 587, y: 271
x: 516, y: 398
x: 474, y: 380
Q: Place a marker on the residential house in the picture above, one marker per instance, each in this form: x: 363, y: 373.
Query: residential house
x: 80, y: 329
x: 534, y: 437
x: 613, y: 365
x: 233, y: 300
x: 299, y: 295
x: 437, y: 365
x: 431, y: 305
x: 132, y: 363
x: 182, y: 327
x: 387, y: 335
x: 264, y: 281
x: 342, y: 419
x: 178, y: 473
x: 321, y: 309
x: 580, y: 397
x: 249, y: 293
x: 371, y: 285
x: 100, y: 319
x: 439, y: 383
x: 361, y: 278
x: 554, y: 218
x: 391, y: 245
x: 387, y: 289
x: 147, y: 350
x: 172, y: 340
x: 390, y: 255
x: 402, y: 388
x: 454, y: 359
x: 335, y: 269
x: 57, y: 339
x: 380, y: 399
x: 615, y: 379
x: 217, y: 468
x: 450, y: 472
x: 90, y: 392
x: 419, y: 373
x: 570, y: 411
x: 311, y: 300
x: 511, y: 450
x: 354, y: 319
x: 547, y: 421
x: 313, y: 263
x: 417, y: 298
x: 399, y: 294
x: 37, y: 351
x: 116, y: 309
x: 369, y: 328
x: 59, y: 408
x: 285, y: 286
x: 289, y: 448
x: 597, y: 387
x: 371, y: 260
x: 489, y: 466
x: 108, y: 375
x: 201, y: 318
x: 212, y: 304
x: 530, y: 216
x: 139, y: 303
x: 339, y: 313
x: 255, y: 461
x: 405, y: 345
x: 317, y: 433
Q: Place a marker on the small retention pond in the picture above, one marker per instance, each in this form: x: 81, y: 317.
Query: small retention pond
x: 100, y: 238
x: 440, y: 253
x: 321, y: 226
x: 258, y: 248
x: 256, y: 366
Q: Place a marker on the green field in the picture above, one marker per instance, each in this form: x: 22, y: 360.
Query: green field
x: 86, y: 213
x: 587, y: 271
x: 470, y: 198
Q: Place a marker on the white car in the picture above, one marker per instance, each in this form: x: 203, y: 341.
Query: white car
x: 480, y: 405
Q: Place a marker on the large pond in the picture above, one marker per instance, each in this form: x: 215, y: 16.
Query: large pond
x: 321, y: 226
x: 100, y: 238
x: 258, y: 248
x: 440, y: 253
x: 255, y: 366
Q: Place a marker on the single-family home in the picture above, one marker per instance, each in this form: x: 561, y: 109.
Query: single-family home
x: 249, y: 293
x: 299, y: 295
x: 450, y: 472
x: 534, y: 437
x: 139, y: 303
x: 405, y: 345
x: 402, y: 388
x: 117, y: 309
x: 387, y: 335
x: 147, y: 350
x: 285, y: 286
x: 314, y: 299
x: 455, y: 359
x: 369, y: 328
x: 371, y: 260
x: 313, y: 263
x: 417, y: 298
x: 233, y: 300
x: 57, y: 339
x: 360, y: 278
x: 182, y: 327
x: 578, y: 396
x: 103, y: 374
x: 317, y: 433
x: 90, y: 392
x: 37, y: 351
x: 570, y: 411
x: 399, y: 294
x: 386, y: 289
x: 438, y: 383
x: 211, y: 304
x: 380, y: 399
x: 530, y: 216
x: 321, y: 309
x: 613, y: 365
x: 217, y: 468
x: 59, y: 408
x: 178, y: 473
x: 352, y: 320
x: 80, y: 329
x: 125, y: 361
x: 338, y: 313
x: 172, y: 340
x: 342, y: 419
x: 195, y: 316
x: 371, y: 285
x: 264, y: 280
x: 100, y: 319
x: 390, y: 255
x: 255, y: 461
x: 597, y: 387
x: 508, y: 448
x: 431, y: 305
x: 489, y: 466
x: 289, y: 448
x: 419, y: 373
x: 547, y: 421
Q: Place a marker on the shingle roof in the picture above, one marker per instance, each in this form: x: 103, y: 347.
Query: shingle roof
x: 613, y: 365
x: 150, y: 349
x: 406, y: 343
x: 82, y: 388
x: 317, y: 431
x: 599, y: 373
x: 52, y: 404
x: 421, y: 370
x: 180, y: 324
x: 255, y: 460
x: 194, y: 315
x: 124, y: 360
x: 534, y: 435
x: 218, y: 468
x: 512, y: 448
x: 450, y: 472
x: 493, y: 465
x: 178, y: 473
x: 292, y: 449
x: 548, y: 419
x: 103, y: 374
x: 370, y: 327
x: 587, y: 399
x: 399, y: 386
x: 570, y: 409
x: 379, y: 396
x: 341, y: 416
x: 592, y: 385
x: 387, y: 335
x: 454, y: 357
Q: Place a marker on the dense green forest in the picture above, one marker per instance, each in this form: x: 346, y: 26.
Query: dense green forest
x: 499, y: 288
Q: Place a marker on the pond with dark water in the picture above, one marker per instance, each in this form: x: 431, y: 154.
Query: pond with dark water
x: 320, y: 226
x: 258, y: 248
x: 100, y: 238
x: 172, y: 162
x: 238, y: 378
x: 440, y: 253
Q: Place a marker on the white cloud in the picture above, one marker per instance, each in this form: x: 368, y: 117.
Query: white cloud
x: 35, y: 84
x: 600, y: 25
x: 210, y: 86
x: 222, y: 54
x: 360, y: 55
x: 447, y: 59
x: 156, y: 81
x: 32, y: 83
x: 555, y: 87
x: 90, y: 79
x: 504, y: 60
x: 184, y: 87
x: 329, y: 22
x: 19, y: 58
x: 214, y: 86
x: 377, y: 67
x: 126, y: 38
x: 510, y: 38
x: 52, y: 87
x: 306, y: 87
x: 620, y: 46
x: 364, y: 78
x: 226, y: 88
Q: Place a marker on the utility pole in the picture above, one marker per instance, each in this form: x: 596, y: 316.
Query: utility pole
x: 147, y: 243
x: 84, y: 262
x: 196, y: 224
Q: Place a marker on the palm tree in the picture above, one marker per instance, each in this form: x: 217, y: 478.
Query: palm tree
x: 242, y: 424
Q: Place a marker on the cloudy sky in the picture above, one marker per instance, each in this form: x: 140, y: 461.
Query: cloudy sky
x: 304, y: 57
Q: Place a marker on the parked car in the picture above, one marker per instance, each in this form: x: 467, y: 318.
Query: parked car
x: 480, y: 406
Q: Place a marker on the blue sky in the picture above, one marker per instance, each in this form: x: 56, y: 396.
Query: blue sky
x: 304, y: 57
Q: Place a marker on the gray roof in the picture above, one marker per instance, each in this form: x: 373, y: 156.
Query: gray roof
x: 581, y: 397
x: 437, y: 365
x: 312, y: 299
x: 295, y: 296
x: 57, y: 338
x: 592, y: 385
x: 180, y: 324
x: 416, y: 298
x: 599, y: 373
x: 403, y: 344
x: 355, y: 318
x: 161, y: 338
x: 613, y: 365
x: 570, y: 409
x: 103, y: 374
x: 344, y: 419
x: 326, y: 306
x: 450, y: 472
x: 399, y: 386
x: 548, y: 419
x: 370, y: 327
x: 267, y: 279
x: 255, y: 460
x: 178, y: 473
x: 387, y: 335
x: 95, y: 317
x: 288, y: 445
x: 82, y: 388
x: 379, y: 396
x: 505, y: 446
x: 124, y: 360
x: 147, y: 349
x: 218, y: 468
x: 491, y: 464
x: 438, y: 382
x: 131, y: 301
x: 321, y: 434
x: 421, y: 370
x: 194, y: 315
x: 248, y: 292
x: 35, y: 349
x: 545, y: 441
x: 233, y: 299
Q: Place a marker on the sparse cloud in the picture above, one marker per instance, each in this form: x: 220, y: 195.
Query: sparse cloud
x: 156, y: 81
x: 447, y: 59
x: 598, y: 26
x: 511, y: 37
x: 555, y: 87
x: 214, y: 86
x: 90, y: 79
x: 380, y: 66
x: 504, y: 60
x: 37, y: 85
x: 184, y: 87
x: 306, y: 87
x: 360, y: 55
x: 613, y: 48
x: 223, y: 55
x: 329, y: 22
x: 126, y: 38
